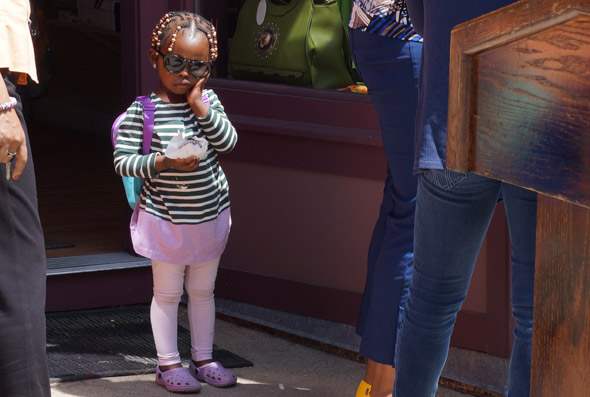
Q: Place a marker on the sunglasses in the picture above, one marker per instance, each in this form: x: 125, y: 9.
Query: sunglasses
x: 176, y: 64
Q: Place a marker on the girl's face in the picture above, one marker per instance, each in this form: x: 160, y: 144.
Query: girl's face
x: 192, y: 47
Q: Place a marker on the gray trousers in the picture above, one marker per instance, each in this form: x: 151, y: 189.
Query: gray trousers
x: 23, y: 360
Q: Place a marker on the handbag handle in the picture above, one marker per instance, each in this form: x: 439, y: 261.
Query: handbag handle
x: 287, y: 2
x: 282, y: 7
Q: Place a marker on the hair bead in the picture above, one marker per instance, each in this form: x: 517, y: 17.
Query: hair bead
x: 181, y: 20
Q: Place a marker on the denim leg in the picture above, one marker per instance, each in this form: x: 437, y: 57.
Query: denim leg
x: 453, y: 212
x: 521, y: 212
x: 388, y: 276
x: 389, y: 68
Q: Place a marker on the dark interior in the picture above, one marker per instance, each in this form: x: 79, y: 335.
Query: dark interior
x: 81, y: 201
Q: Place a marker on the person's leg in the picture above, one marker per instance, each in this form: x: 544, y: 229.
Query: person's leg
x: 521, y: 212
x: 453, y: 212
x: 23, y: 360
x: 199, y: 285
x: 378, y: 380
x: 168, y: 288
x: 389, y: 68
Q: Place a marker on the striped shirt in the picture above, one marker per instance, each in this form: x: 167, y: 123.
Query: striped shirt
x: 180, y: 197
x: 383, y: 17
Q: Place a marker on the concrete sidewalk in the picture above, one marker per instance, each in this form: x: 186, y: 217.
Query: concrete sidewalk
x: 282, y: 367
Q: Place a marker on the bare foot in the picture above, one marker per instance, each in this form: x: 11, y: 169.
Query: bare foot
x: 380, y: 377
x: 165, y: 368
x: 202, y: 362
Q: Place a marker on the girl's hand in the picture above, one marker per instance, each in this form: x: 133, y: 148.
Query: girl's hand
x: 195, y: 98
x: 165, y: 163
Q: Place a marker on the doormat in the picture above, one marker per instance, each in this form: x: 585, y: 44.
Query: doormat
x: 114, y: 342
x: 51, y: 244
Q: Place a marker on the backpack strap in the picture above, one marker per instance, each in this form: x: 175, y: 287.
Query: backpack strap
x: 148, y: 132
x: 205, y: 100
x: 148, y: 122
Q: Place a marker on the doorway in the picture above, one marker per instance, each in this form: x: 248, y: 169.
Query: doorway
x: 69, y: 113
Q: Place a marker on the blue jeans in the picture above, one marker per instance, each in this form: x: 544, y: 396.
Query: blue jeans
x: 453, y: 212
x: 389, y: 68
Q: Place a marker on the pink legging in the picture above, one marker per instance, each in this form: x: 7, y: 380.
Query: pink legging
x: 199, y: 282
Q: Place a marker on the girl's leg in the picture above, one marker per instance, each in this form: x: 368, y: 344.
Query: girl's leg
x: 168, y: 282
x: 199, y: 285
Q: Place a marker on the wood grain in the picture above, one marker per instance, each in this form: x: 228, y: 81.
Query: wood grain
x: 561, y: 338
x: 514, y: 70
x: 532, y: 112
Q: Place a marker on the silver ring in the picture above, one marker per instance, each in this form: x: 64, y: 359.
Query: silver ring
x: 11, y: 154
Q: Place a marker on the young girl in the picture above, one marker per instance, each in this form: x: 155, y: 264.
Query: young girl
x: 182, y: 221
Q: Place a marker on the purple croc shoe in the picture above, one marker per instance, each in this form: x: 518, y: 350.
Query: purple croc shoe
x: 213, y: 374
x: 177, y: 380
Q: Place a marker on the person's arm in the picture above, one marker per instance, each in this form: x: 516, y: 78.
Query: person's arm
x: 188, y: 164
x: 128, y: 157
x: 218, y: 130
x: 12, y: 136
x: 416, y: 11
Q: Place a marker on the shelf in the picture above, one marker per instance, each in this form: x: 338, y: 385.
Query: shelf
x: 307, y: 112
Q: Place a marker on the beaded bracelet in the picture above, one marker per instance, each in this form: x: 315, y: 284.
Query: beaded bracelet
x: 8, y: 105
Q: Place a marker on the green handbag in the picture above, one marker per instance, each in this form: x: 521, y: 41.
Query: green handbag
x: 298, y: 42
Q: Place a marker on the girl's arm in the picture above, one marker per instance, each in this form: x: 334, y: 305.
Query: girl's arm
x: 128, y: 157
x: 187, y: 164
x: 218, y: 130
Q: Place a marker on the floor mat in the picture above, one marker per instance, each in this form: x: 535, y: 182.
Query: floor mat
x: 114, y: 342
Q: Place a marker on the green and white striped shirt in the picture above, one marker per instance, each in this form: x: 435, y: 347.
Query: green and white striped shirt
x: 180, y: 197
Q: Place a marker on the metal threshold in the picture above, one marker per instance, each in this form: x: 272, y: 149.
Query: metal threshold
x: 94, y: 263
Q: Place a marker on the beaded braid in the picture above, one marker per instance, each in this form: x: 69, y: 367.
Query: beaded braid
x: 182, y: 20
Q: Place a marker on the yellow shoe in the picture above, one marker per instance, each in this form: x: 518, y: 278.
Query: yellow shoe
x: 364, y: 389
